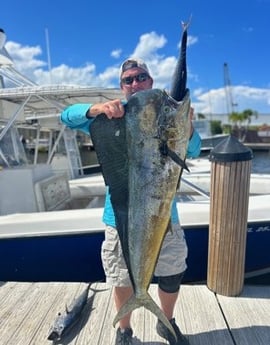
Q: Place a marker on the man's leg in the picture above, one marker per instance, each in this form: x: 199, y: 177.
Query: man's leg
x: 118, y: 277
x: 121, y: 295
x: 167, y: 302
x: 168, y: 292
x: 172, y: 260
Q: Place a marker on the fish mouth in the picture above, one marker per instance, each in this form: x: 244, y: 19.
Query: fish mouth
x: 53, y: 336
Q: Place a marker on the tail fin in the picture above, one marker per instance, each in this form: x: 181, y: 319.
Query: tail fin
x: 147, y: 302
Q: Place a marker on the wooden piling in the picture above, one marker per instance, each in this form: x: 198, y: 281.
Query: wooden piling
x: 230, y: 181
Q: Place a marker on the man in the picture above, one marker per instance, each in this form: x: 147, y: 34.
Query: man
x: 135, y: 76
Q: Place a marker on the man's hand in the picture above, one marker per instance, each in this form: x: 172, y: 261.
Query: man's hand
x: 112, y: 109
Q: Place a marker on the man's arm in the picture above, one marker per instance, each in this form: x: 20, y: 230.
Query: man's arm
x: 79, y: 116
x: 75, y: 117
x: 194, y: 145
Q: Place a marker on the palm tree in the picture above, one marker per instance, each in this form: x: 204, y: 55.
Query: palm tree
x: 242, y: 121
x: 247, y: 114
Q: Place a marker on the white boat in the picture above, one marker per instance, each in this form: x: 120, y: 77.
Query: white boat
x: 64, y: 244
x: 209, y: 140
x: 50, y: 214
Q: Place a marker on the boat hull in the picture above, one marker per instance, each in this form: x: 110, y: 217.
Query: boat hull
x: 76, y: 257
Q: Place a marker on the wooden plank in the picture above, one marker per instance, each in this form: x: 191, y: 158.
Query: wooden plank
x: 29, y: 313
x: 10, y: 293
x: 9, y: 289
x: 30, y: 317
x: 15, y: 308
x: 248, y: 315
x: 198, y: 316
x: 55, y: 297
x: 97, y: 329
x: 30, y: 309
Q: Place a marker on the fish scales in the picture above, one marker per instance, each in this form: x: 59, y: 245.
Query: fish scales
x: 153, y: 179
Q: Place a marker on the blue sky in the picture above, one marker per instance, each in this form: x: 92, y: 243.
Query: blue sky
x: 88, y: 40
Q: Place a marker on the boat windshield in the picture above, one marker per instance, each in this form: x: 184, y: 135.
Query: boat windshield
x: 12, y: 151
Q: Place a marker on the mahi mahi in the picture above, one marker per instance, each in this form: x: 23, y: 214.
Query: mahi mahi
x: 141, y: 156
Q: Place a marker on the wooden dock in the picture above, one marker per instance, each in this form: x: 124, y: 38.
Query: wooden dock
x: 28, y: 311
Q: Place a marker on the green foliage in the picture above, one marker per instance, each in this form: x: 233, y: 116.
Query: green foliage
x: 243, y: 118
x: 216, y: 127
x: 200, y: 116
x: 227, y: 129
x: 241, y: 123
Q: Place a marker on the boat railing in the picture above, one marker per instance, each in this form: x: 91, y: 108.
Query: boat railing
x: 195, y: 188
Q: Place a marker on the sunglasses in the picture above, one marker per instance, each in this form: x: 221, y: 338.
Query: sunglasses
x: 140, y: 78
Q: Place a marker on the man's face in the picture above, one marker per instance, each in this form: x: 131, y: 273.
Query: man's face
x: 134, y: 80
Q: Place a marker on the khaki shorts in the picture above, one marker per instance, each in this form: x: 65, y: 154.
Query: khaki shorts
x: 171, y: 261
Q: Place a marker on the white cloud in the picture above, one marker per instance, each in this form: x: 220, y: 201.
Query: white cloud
x: 244, y: 97
x: 25, y: 58
x: 64, y: 74
x: 27, y: 61
x: 116, y: 53
x: 192, y: 40
x: 148, y: 45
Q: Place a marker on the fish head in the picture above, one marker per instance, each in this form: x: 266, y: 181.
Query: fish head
x: 173, y: 119
x: 57, y: 329
x: 155, y: 114
x: 56, y: 332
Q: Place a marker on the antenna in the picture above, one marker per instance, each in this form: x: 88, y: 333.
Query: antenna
x: 48, y: 54
x: 228, y: 92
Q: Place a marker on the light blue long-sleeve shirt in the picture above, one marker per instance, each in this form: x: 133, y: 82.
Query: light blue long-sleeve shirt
x: 74, y: 117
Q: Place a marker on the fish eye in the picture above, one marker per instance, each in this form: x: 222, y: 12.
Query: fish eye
x: 166, y: 108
